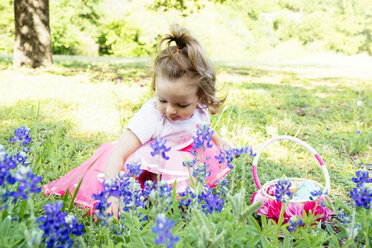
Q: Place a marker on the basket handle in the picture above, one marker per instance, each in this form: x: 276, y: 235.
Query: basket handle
x: 308, y: 147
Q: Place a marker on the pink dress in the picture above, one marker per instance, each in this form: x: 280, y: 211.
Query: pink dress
x: 147, y: 124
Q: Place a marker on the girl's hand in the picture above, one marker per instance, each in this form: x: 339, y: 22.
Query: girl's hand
x: 114, y: 207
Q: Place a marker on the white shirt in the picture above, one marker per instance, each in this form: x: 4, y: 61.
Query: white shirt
x: 149, y: 123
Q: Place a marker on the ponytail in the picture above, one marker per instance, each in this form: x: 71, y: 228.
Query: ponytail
x: 188, y: 58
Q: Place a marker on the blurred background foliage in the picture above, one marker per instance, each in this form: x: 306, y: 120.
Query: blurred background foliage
x: 229, y: 29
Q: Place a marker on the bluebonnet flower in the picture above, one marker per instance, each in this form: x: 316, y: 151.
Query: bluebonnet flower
x: 362, y: 178
x: 73, y: 225
x: 58, y: 227
x: 225, y: 155
x: 149, y: 187
x: 203, y: 137
x: 142, y: 217
x: 229, y: 154
x: 163, y: 230
x: 316, y: 194
x: 27, y: 183
x: 282, y: 189
x: 21, y: 158
x: 201, y: 173
x: 101, y: 204
x: 22, y: 136
x: 125, y: 188
x: 295, y: 223
x: 4, y: 197
x: 362, y: 196
x: 6, y: 165
x: 344, y: 218
x: 164, y: 189
x: 223, y: 186
x: 189, y: 163
x: 134, y: 168
x: 159, y: 147
x: 186, y: 198
x: 209, y: 201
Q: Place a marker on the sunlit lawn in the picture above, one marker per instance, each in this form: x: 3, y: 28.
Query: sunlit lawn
x: 74, y: 106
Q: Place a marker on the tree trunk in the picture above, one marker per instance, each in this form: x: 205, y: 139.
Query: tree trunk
x: 32, y: 33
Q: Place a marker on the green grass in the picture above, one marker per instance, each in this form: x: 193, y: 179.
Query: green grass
x: 74, y: 106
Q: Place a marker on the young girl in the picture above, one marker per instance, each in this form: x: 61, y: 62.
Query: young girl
x: 184, y: 85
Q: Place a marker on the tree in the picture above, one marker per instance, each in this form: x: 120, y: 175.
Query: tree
x: 32, y: 33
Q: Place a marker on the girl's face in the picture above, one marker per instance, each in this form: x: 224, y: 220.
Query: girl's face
x: 176, y: 99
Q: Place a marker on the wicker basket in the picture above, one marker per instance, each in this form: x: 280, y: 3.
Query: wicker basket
x: 262, y: 192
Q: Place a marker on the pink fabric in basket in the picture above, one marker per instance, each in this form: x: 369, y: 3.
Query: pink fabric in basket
x: 271, y: 208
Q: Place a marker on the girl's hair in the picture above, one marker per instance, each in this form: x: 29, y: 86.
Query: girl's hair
x: 188, y: 58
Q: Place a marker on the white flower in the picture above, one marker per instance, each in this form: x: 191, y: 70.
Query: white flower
x: 359, y: 103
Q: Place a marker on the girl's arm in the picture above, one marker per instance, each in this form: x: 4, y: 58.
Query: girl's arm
x: 219, y: 141
x: 127, y: 144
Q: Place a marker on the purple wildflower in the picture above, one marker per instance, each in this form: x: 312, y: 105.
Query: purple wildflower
x: 344, y: 218
x: 186, y: 198
x: 362, y: 196
x: 149, y: 187
x: 58, y: 227
x: 22, y: 135
x: 21, y: 158
x: 295, y: 222
x: 134, y: 168
x: 282, y: 189
x: 189, y: 163
x: 164, y: 189
x: 201, y: 173
x: 27, y: 183
x: 229, y: 154
x: 6, y: 165
x: 362, y: 178
x: 163, y: 230
x: 159, y: 147
x: 101, y: 204
x: 223, y: 186
x: 203, y: 137
x: 210, y: 202
x: 316, y: 194
x: 225, y: 155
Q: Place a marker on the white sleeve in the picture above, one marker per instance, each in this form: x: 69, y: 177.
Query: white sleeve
x: 144, y: 123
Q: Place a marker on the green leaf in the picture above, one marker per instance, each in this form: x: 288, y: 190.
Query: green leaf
x: 74, y: 196
x: 335, y: 241
x: 250, y: 210
x: 65, y: 199
x: 5, y: 225
x: 255, y: 223
x: 287, y: 242
x: 329, y: 228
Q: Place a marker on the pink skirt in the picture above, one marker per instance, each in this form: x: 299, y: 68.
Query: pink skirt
x: 93, y: 171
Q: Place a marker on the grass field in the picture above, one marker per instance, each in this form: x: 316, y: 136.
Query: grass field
x: 76, y: 105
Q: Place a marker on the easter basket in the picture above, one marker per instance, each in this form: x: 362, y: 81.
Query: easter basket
x: 271, y: 207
